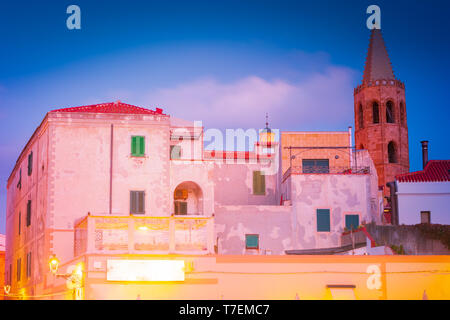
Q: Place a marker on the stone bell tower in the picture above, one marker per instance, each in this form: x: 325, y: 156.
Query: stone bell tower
x: 380, y: 114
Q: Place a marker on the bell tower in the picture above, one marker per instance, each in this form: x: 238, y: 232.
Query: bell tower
x: 380, y: 114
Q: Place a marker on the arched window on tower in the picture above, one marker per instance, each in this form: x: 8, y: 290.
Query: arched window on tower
x: 360, y: 117
x: 390, y: 112
x: 392, y: 152
x: 402, y: 113
x: 376, y: 112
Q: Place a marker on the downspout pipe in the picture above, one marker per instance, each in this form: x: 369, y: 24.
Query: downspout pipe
x: 394, y: 203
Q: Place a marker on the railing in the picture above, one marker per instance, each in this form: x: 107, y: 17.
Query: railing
x: 325, y: 170
x: 144, y: 235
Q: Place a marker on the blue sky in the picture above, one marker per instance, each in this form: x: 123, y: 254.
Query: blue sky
x: 224, y: 62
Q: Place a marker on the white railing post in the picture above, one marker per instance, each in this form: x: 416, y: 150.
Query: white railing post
x: 171, y: 234
x: 210, y: 235
x: 130, y: 234
x: 90, y: 234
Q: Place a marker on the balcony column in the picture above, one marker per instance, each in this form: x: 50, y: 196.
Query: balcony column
x: 172, y: 234
x: 131, y: 230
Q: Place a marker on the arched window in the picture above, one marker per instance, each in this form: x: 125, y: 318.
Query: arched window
x: 360, y: 117
x: 392, y: 152
x: 402, y: 113
x: 361, y: 147
x: 390, y: 112
x: 376, y: 112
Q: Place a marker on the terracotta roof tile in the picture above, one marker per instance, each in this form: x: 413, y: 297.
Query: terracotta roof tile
x: 111, y: 107
x: 434, y: 171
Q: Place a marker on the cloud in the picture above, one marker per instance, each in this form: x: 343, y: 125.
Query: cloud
x: 322, y: 100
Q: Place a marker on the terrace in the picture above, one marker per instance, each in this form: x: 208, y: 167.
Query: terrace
x: 144, y: 235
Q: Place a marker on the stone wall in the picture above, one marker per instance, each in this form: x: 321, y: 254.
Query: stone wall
x: 412, y: 240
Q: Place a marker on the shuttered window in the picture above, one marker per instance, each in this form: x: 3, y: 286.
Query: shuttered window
x: 323, y: 220
x: 20, y: 222
x: 19, y: 183
x: 138, y: 146
x: 175, y: 152
x: 352, y: 221
x: 137, y: 202
x: 251, y: 241
x: 30, y: 163
x: 29, y: 265
x: 180, y: 207
x: 259, y: 183
x: 315, y: 166
x: 19, y: 269
x: 28, y: 213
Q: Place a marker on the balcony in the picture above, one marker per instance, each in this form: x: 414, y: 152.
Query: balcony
x: 144, y: 235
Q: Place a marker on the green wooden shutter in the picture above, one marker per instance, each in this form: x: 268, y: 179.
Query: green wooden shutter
x: 138, y: 146
x: 251, y: 241
x: 134, y: 146
x: 351, y: 221
x: 141, y: 146
x: 323, y: 220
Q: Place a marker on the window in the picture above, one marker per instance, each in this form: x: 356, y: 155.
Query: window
x: 138, y: 146
x: 352, y: 221
x: 251, y: 241
x: 28, y: 213
x: 323, y: 220
x: 390, y: 112
x: 29, y: 265
x: 392, y: 152
x: 360, y: 117
x: 425, y: 217
x: 20, y: 222
x: 19, y: 262
x: 137, y: 202
x: 10, y: 274
x: 259, y: 183
x: 30, y: 163
x: 180, y: 207
x: 315, y: 166
x: 19, y: 184
x: 175, y: 152
x: 376, y: 112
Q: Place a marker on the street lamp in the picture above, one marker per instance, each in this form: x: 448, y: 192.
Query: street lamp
x: 53, y: 264
x: 74, y: 280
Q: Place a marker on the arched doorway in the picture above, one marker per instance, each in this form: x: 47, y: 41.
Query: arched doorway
x: 188, y: 199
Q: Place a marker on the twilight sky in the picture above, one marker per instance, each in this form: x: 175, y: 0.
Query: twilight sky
x: 224, y: 62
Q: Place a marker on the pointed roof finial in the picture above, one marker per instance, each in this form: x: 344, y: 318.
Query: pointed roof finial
x: 378, y: 66
x: 267, y: 120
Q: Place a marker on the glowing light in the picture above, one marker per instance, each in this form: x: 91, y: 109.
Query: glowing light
x: 143, y: 228
x: 145, y: 270
x: 53, y: 264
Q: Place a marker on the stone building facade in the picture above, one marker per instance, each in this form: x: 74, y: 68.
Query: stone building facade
x: 380, y: 114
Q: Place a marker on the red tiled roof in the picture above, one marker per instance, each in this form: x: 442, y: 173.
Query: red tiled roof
x: 434, y: 171
x: 112, y: 107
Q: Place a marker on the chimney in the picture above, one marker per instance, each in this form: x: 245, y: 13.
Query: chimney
x: 424, y: 153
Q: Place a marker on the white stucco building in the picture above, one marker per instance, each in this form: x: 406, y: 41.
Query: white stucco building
x: 114, y: 179
x: 424, y: 196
